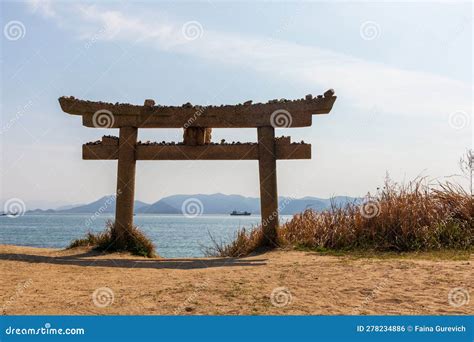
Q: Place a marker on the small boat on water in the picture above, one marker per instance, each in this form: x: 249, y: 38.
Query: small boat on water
x: 240, y: 213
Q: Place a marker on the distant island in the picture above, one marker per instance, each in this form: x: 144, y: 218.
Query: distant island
x: 211, y: 204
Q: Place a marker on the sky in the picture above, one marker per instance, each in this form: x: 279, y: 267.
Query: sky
x: 402, y: 72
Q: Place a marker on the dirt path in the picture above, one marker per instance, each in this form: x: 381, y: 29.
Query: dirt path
x: 46, y: 281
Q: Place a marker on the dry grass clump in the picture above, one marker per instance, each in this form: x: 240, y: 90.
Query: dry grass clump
x: 401, y: 218
x: 245, y: 242
x: 137, y: 243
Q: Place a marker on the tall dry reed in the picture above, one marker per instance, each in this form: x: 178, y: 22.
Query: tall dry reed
x: 413, y: 217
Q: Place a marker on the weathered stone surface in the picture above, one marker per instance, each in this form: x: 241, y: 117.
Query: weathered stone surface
x: 171, y: 151
x: 149, y: 103
x: 125, y: 186
x: 223, y: 116
x: 110, y: 140
x: 283, y: 140
x: 197, y: 136
x: 268, y: 184
x: 329, y: 93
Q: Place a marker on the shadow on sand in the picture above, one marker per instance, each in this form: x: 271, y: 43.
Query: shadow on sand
x: 178, y: 263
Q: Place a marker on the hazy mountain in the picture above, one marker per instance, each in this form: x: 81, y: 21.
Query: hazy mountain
x: 207, y: 204
x: 39, y: 211
x: 160, y: 207
x: 69, y: 206
x: 104, y: 204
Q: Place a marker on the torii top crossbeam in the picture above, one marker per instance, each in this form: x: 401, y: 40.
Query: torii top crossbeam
x: 225, y: 116
x: 198, y: 122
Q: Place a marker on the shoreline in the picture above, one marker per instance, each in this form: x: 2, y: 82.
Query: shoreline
x: 435, y: 255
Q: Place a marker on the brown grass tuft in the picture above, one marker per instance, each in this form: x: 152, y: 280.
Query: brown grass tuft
x: 245, y: 242
x: 138, y: 243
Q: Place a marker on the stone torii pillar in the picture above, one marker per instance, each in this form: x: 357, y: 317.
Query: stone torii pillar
x: 268, y: 184
x: 125, y: 185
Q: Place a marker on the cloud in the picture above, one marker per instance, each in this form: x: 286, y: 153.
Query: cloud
x: 363, y: 84
x: 44, y: 7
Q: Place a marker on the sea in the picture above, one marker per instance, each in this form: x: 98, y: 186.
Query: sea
x: 175, y: 236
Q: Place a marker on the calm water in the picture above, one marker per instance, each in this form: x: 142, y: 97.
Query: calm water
x: 173, y: 235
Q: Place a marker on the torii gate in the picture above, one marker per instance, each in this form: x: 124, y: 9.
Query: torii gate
x: 198, y: 122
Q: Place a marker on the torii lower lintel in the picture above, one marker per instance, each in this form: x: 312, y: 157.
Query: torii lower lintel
x: 106, y: 150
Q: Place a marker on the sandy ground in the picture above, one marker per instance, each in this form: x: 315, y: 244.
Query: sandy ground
x: 46, y: 281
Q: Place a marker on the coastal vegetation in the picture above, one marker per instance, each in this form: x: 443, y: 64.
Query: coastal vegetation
x: 137, y: 242
x: 413, y: 217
